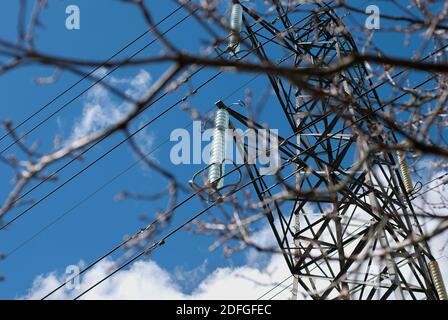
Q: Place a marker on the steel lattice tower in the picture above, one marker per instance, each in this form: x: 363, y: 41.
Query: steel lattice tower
x: 323, y: 234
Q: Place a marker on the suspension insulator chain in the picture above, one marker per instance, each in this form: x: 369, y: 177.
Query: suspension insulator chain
x: 405, y: 172
x: 437, y: 279
x: 236, y: 22
x: 218, y: 149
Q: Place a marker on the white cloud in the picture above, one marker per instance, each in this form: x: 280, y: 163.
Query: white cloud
x: 136, y: 86
x: 101, y: 110
x: 147, y: 280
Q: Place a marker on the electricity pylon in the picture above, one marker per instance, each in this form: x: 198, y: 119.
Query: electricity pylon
x: 341, y: 233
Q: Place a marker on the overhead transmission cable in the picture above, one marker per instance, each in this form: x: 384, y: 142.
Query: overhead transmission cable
x: 97, y: 142
x: 89, y: 74
x: 276, y: 286
x: 103, y: 138
x: 86, y: 198
x: 47, y: 178
x: 73, y: 159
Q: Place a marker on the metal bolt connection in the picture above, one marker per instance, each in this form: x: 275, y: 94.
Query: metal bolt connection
x: 437, y: 279
x: 405, y: 172
x: 236, y: 21
x: 218, y: 148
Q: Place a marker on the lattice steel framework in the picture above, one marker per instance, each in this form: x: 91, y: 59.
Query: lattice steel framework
x: 323, y: 234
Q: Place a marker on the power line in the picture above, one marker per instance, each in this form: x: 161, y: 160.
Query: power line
x: 162, y: 241
x: 275, y: 287
x: 281, y: 291
x: 435, y: 179
x: 185, y: 200
x: 115, y: 146
x: 109, y: 182
x: 94, y: 144
x: 94, y: 83
x: 90, y: 73
x: 102, y: 187
x: 82, y: 201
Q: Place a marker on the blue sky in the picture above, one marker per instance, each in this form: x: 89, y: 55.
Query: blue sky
x: 101, y: 222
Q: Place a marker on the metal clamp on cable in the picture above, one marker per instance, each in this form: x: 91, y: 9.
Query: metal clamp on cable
x: 150, y: 249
